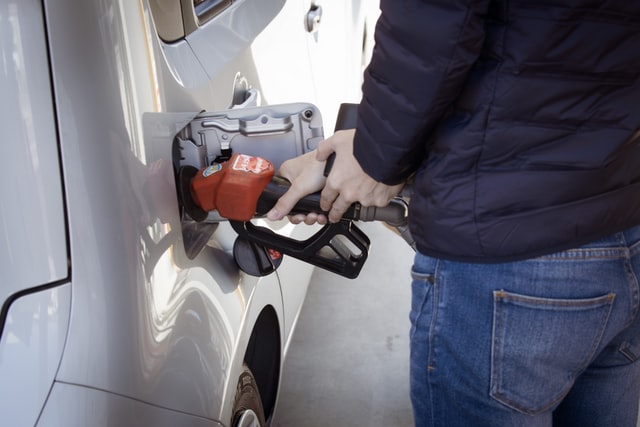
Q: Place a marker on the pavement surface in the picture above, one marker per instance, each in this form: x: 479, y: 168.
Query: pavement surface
x: 348, y: 363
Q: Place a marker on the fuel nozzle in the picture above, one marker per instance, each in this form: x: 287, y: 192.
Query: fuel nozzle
x: 245, y: 187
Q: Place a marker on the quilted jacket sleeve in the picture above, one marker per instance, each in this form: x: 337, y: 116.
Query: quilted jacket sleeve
x: 422, y: 54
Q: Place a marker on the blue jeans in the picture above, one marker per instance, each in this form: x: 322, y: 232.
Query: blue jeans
x: 547, y: 341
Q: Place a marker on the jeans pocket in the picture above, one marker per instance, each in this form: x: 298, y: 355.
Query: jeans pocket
x: 540, y: 345
x: 423, y: 279
x: 422, y: 287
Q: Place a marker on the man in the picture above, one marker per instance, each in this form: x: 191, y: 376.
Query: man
x: 521, y: 123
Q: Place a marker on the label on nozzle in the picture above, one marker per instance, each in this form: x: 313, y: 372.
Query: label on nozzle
x: 216, y: 167
x: 252, y: 164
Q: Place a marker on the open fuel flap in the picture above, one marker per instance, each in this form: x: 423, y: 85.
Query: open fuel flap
x: 230, y: 157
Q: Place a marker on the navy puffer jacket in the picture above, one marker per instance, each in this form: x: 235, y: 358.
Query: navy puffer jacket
x: 521, y: 117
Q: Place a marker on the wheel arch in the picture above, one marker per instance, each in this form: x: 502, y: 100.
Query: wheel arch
x: 263, y: 356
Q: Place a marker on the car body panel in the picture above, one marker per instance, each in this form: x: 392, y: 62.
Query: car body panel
x: 146, y: 330
x: 30, y: 351
x: 130, y: 240
x: 96, y: 407
x: 224, y: 38
x: 32, y: 226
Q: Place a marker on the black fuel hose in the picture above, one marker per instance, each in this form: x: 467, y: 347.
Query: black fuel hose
x: 395, y: 213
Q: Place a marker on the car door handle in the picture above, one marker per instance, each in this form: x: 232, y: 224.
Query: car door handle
x: 314, y: 16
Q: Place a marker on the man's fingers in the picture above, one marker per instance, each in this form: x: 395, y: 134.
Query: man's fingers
x: 324, y: 150
x: 338, y: 209
x: 309, y: 219
x: 323, y: 155
x: 284, y: 205
x: 327, y: 198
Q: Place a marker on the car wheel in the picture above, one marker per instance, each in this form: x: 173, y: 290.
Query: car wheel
x: 247, y: 406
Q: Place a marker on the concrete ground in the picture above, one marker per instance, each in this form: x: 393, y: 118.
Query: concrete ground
x: 348, y: 361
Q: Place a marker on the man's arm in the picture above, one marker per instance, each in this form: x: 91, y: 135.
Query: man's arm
x: 423, y: 52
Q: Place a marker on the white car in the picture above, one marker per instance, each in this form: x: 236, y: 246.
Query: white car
x: 117, y: 308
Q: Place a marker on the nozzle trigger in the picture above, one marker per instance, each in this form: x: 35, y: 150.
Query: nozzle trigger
x: 341, y: 248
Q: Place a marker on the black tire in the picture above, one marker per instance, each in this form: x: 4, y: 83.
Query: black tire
x: 247, y: 405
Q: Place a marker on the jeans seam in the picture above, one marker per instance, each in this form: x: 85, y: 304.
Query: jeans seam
x: 432, y: 327
x: 587, y: 254
x: 633, y: 291
x: 497, y: 324
x: 432, y: 335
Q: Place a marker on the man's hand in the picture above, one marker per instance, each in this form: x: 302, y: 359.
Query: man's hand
x: 306, y: 176
x: 347, y: 182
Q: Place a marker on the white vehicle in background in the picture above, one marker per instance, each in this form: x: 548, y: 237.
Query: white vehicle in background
x: 113, y: 312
